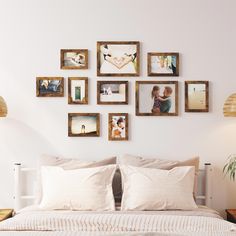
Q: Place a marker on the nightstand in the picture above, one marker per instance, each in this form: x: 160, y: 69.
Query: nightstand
x: 231, y: 215
x: 5, y: 214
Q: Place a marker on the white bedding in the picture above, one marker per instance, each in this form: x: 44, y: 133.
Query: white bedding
x: 202, y: 221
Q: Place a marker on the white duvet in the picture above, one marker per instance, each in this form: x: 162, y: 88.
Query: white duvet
x: 202, y: 221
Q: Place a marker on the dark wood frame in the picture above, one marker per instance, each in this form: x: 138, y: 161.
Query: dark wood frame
x: 60, y: 94
x: 116, y: 43
x: 69, y: 90
x: 100, y: 83
x: 70, y: 115
x: 187, y: 109
x: 149, y: 67
x: 110, y: 115
x: 84, y: 51
x: 161, y: 113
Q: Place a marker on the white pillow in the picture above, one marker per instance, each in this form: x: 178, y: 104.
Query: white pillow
x: 80, y: 189
x: 156, y: 189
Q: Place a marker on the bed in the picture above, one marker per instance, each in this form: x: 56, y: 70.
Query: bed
x: 33, y: 221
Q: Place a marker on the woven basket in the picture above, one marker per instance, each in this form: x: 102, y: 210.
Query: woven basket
x: 3, y: 108
x: 230, y: 106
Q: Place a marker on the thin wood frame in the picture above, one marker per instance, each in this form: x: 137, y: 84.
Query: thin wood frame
x: 71, y: 115
x: 137, y: 73
x: 187, y: 109
x: 149, y: 65
x: 83, y: 51
x: 100, y: 83
x: 53, y: 94
x: 70, y: 100
x: 110, y: 138
x: 138, y: 113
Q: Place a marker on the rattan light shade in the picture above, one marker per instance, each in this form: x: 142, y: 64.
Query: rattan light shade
x: 230, y: 106
x: 3, y: 108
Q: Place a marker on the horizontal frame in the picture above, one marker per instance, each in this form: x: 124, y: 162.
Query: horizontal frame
x: 138, y: 113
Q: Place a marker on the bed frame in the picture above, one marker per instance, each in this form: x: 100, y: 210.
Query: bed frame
x: 204, y: 196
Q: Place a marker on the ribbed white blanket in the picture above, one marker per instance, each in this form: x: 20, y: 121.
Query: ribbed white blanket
x: 200, y: 222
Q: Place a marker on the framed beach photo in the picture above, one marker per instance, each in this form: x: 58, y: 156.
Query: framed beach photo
x: 74, y: 59
x: 118, y: 58
x: 118, y: 126
x: 163, y: 64
x: 112, y: 92
x: 196, y: 96
x: 156, y: 98
x: 83, y: 124
x: 77, y: 90
x: 50, y: 87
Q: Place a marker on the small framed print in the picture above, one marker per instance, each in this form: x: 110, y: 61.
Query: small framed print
x: 50, y: 87
x: 156, y: 98
x: 83, y: 124
x: 118, y: 126
x: 77, y: 90
x: 163, y: 64
x: 196, y: 96
x: 74, y: 59
x: 112, y: 92
x: 118, y: 58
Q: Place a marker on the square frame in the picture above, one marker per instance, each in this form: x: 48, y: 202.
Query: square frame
x: 137, y: 73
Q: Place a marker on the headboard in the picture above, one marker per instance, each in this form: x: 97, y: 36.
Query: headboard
x: 204, y: 195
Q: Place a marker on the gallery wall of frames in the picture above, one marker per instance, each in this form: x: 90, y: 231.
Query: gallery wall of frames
x: 120, y: 61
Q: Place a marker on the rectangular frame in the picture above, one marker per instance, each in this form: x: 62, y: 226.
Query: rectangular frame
x: 138, y: 113
x: 84, y: 51
x: 58, y: 94
x: 71, y: 115
x: 100, y: 83
x: 187, y: 109
x: 99, y: 43
x: 110, y: 138
x: 149, y: 66
x: 70, y: 101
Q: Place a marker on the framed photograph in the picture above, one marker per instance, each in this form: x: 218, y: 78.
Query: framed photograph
x: 74, y: 59
x: 163, y: 64
x: 83, y: 124
x: 196, y: 96
x: 118, y: 126
x: 50, y: 87
x: 112, y: 92
x: 77, y: 90
x: 156, y: 98
x: 118, y: 58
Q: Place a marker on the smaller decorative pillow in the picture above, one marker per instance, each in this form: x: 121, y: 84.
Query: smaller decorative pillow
x: 156, y: 189
x: 80, y: 189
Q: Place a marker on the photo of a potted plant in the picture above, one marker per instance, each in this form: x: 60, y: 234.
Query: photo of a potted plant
x: 230, y: 167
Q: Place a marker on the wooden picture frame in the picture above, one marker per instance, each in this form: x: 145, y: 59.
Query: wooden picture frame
x: 163, y: 64
x: 147, y: 99
x: 93, y: 123
x: 107, y: 92
x: 50, y: 87
x: 118, y: 126
x: 77, y: 90
x: 118, y: 62
x: 197, y: 96
x: 74, y: 59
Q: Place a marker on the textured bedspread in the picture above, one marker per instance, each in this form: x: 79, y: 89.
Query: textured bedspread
x: 69, y: 223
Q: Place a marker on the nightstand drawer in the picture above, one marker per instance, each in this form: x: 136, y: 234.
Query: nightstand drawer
x: 5, y: 214
x: 231, y: 215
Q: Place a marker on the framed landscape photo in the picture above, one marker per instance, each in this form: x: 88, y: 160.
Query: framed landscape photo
x: 77, y: 90
x: 83, y: 124
x: 163, y: 64
x: 118, y: 58
x: 196, y: 96
x: 50, y: 87
x: 118, y: 126
x: 112, y: 92
x: 74, y: 59
x: 156, y: 98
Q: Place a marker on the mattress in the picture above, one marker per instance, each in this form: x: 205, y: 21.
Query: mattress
x: 33, y: 221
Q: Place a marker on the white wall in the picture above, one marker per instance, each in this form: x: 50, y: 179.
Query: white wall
x: 32, y: 34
